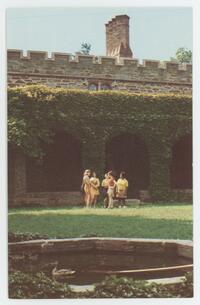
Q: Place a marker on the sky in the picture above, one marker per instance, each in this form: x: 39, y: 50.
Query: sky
x: 155, y: 33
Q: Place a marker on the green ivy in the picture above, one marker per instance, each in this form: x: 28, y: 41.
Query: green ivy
x: 36, y: 112
x: 39, y: 285
x: 122, y: 287
x: 17, y: 236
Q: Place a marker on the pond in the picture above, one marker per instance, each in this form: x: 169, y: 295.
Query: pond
x: 89, y: 266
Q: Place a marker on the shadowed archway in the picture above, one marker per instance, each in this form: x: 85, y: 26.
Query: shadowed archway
x: 129, y: 153
x: 181, y: 163
x: 61, y: 168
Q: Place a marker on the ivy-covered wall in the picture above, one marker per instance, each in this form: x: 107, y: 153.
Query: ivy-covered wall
x: 36, y: 113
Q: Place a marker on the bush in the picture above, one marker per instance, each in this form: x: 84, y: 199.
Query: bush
x: 15, y: 237
x: 22, y: 286
x: 113, y: 287
x: 37, y: 286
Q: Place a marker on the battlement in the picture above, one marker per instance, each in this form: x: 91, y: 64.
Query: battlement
x: 90, y: 65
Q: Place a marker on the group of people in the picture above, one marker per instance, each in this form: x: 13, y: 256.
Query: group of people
x: 110, y: 189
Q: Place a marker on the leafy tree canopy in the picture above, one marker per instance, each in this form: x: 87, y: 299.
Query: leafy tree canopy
x: 85, y: 48
x: 183, y: 55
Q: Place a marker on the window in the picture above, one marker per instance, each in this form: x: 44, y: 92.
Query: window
x: 105, y: 87
x: 93, y: 87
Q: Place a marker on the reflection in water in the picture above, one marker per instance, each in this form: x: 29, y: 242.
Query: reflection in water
x: 87, y: 264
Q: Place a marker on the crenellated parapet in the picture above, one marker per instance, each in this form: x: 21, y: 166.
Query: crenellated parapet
x: 58, y: 65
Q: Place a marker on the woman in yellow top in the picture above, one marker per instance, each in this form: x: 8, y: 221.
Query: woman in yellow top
x: 94, y: 188
x: 86, y: 185
x: 104, y: 185
x: 111, y: 189
x: 121, y: 191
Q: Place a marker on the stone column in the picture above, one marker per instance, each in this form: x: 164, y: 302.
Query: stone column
x: 17, y: 173
x: 160, y: 156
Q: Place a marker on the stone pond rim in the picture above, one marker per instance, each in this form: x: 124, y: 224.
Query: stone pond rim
x: 180, y: 248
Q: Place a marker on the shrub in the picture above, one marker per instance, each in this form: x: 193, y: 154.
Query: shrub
x: 113, y: 287
x: 15, y: 237
x: 22, y: 286
x: 36, y: 286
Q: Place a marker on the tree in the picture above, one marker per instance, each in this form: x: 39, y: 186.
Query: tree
x: 85, y: 48
x: 183, y: 55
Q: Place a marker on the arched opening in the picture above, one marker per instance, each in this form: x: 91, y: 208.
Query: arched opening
x: 181, y: 163
x: 105, y: 87
x: 61, y: 168
x: 129, y: 153
x: 93, y: 87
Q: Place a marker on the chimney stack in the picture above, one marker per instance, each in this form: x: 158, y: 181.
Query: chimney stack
x: 117, y: 37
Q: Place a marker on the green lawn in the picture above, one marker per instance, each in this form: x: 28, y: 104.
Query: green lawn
x: 173, y: 221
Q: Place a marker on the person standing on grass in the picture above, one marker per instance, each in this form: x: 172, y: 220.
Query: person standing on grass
x: 111, y: 189
x: 86, y: 186
x: 104, y: 185
x: 121, y: 189
x: 94, y: 185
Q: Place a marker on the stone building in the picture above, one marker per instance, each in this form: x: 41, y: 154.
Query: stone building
x: 118, y: 70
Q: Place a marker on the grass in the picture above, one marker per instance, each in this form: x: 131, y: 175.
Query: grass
x: 171, y: 221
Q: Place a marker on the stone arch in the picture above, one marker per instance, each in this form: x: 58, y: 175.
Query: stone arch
x: 181, y: 163
x: 105, y: 86
x: 128, y: 152
x: 60, y: 169
x: 93, y: 86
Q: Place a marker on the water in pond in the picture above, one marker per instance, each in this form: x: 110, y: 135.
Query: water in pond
x: 89, y: 267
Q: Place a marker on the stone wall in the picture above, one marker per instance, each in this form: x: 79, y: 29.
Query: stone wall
x: 63, y: 70
x: 48, y: 199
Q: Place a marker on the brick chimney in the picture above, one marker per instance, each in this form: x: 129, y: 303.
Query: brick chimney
x: 117, y: 37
